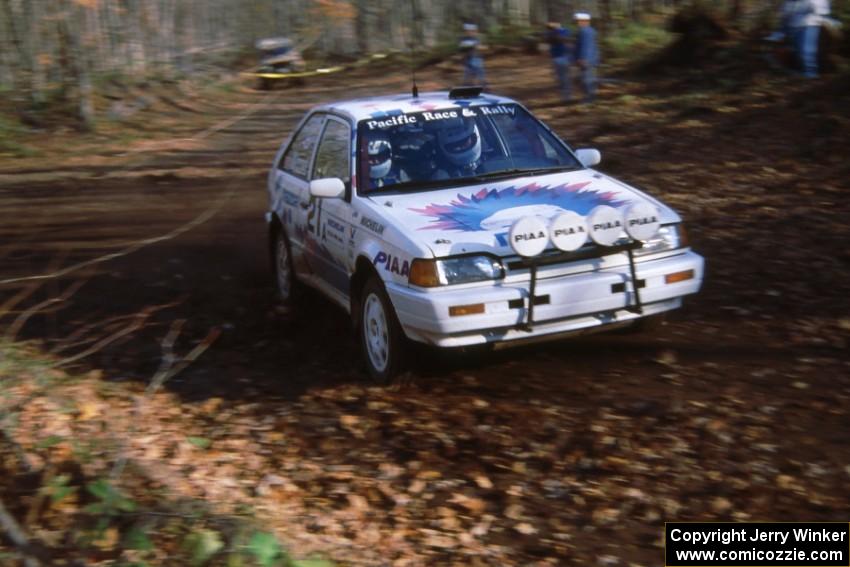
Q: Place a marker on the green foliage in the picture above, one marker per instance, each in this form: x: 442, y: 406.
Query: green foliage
x: 200, y: 442
x: 201, y: 545
x: 110, y: 501
x: 841, y: 11
x: 58, y: 488
x: 508, y: 34
x: 265, y: 548
x: 137, y: 538
x: 48, y: 442
x: 636, y: 41
x: 11, y: 133
x: 311, y: 563
x: 9, y: 129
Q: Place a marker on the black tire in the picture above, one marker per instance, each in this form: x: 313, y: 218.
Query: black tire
x: 283, y: 269
x: 382, y: 341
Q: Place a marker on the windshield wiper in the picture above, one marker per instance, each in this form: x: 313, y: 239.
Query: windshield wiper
x: 406, y: 186
x: 520, y: 171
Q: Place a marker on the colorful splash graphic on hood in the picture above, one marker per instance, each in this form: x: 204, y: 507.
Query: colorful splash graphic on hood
x: 470, y: 213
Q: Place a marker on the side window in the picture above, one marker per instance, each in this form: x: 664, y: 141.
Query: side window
x: 296, y: 160
x: 520, y: 136
x: 333, y: 156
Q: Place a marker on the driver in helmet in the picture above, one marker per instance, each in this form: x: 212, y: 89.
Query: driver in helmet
x: 459, y: 149
x: 379, y: 153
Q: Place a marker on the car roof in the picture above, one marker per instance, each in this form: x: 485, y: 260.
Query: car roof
x: 383, y: 106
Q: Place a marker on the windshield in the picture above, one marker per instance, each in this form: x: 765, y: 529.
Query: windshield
x: 440, y: 147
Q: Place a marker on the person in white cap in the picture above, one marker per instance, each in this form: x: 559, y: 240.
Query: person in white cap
x: 473, y: 64
x: 586, y: 54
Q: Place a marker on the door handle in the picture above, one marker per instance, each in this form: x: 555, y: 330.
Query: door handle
x: 304, y: 205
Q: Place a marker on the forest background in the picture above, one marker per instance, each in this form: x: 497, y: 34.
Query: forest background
x: 61, y: 53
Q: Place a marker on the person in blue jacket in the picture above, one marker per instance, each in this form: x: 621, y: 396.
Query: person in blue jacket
x: 558, y: 38
x: 473, y: 63
x: 586, y: 54
x: 802, y: 20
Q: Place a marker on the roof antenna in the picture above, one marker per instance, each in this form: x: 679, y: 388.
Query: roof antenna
x: 412, y: 46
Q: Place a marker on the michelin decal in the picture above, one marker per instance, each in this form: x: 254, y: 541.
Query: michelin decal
x: 372, y: 225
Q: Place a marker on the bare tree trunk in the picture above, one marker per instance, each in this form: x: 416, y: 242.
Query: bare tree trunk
x: 72, y: 30
x: 14, y: 532
x: 16, y: 24
x: 605, y: 13
x: 361, y: 26
x: 734, y: 11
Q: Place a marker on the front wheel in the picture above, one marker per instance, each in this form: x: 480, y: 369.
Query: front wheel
x: 381, y: 338
x: 284, y: 274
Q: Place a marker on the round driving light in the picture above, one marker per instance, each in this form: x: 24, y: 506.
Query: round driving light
x: 642, y: 221
x: 529, y: 236
x: 605, y: 225
x: 568, y: 231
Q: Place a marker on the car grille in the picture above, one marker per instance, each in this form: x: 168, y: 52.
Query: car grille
x: 556, y: 257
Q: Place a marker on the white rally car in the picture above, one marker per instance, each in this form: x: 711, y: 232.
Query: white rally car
x: 457, y: 218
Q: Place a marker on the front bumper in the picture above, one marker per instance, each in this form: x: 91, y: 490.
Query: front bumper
x: 564, y: 304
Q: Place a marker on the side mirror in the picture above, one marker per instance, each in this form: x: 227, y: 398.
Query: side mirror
x: 588, y: 156
x: 327, y: 188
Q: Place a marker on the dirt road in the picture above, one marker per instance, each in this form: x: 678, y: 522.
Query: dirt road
x: 568, y: 453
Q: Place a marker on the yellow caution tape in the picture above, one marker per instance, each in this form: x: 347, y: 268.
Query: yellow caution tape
x: 321, y: 70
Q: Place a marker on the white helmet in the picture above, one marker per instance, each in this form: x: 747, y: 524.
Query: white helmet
x: 380, y: 156
x: 460, y: 142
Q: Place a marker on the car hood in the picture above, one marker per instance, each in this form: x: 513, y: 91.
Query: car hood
x: 477, y: 218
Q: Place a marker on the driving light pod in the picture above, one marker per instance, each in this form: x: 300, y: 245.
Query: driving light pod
x: 605, y: 225
x: 642, y: 221
x: 529, y: 236
x: 568, y: 231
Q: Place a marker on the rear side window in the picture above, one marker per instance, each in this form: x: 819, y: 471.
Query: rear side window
x: 332, y: 159
x: 296, y: 160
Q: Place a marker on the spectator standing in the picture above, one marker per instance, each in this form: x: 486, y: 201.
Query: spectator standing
x: 586, y: 54
x: 803, y: 19
x: 473, y: 63
x: 558, y: 38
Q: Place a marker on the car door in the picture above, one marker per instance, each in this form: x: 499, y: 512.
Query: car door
x: 331, y: 219
x: 292, y: 187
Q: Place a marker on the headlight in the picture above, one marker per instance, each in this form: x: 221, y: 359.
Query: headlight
x: 448, y: 271
x: 669, y: 237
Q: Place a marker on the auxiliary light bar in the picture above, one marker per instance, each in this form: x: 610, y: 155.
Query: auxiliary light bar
x: 530, y: 236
